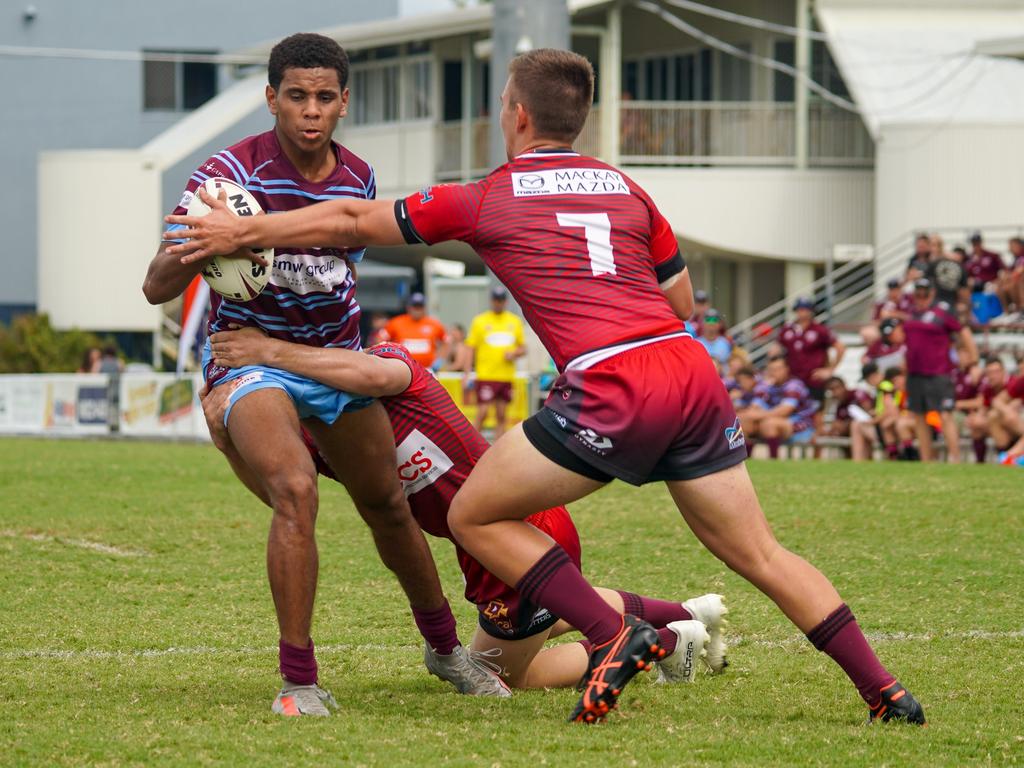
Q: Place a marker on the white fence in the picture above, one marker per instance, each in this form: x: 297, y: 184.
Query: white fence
x: 146, y: 405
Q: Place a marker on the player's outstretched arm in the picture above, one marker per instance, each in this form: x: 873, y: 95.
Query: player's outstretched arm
x: 340, y: 223
x: 353, y: 372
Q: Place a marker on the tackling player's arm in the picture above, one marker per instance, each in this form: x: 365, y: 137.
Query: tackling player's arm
x: 345, y: 222
x: 344, y: 369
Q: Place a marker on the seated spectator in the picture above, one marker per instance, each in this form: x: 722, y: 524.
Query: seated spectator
x: 1003, y: 422
x: 840, y: 403
x: 890, y: 351
x: 782, y: 408
x: 894, y: 304
x: 866, y: 428
x: 743, y: 390
x: 1009, y: 400
x: 717, y: 345
x: 1010, y: 284
x: 738, y: 359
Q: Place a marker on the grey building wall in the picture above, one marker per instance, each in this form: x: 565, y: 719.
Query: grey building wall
x: 58, y: 103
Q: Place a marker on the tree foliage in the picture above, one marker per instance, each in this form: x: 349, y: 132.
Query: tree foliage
x: 31, y: 345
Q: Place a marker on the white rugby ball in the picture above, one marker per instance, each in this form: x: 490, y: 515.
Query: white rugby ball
x: 237, y: 279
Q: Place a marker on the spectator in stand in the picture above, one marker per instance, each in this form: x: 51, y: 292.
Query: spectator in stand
x: 895, y: 303
x: 969, y: 406
x: 717, y: 345
x: 949, y: 276
x: 807, y: 345
x: 1004, y: 423
x: 891, y: 348
x: 984, y: 266
x: 742, y: 392
x: 109, y: 361
x: 458, y: 358
x: 841, y: 401
x: 918, y: 263
x: 1010, y: 286
x: 930, y: 330
x: 424, y: 336
x: 1009, y: 400
x: 91, y: 361
x: 738, y: 360
x: 701, y: 304
x: 377, y: 332
x: 782, y: 408
x: 495, y: 341
x: 888, y: 422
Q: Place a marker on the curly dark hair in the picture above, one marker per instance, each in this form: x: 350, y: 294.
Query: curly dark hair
x: 307, y: 50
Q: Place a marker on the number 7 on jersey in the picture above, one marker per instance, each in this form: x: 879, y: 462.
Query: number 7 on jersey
x: 597, y: 229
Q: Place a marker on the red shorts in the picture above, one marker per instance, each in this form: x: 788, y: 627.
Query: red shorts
x: 493, y: 391
x: 648, y: 412
x: 503, y: 613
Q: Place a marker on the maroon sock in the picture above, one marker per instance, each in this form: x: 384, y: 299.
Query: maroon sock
x: 980, y: 450
x: 840, y: 637
x: 773, y: 446
x: 904, y: 444
x: 587, y: 645
x: 437, y: 627
x: 668, y: 640
x: 891, y: 451
x: 298, y: 665
x: 554, y: 582
x: 657, y: 613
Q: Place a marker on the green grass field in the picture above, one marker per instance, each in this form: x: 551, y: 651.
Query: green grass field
x: 136, y: 626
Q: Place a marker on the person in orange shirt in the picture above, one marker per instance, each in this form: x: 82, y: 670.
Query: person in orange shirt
x: 424, y: 336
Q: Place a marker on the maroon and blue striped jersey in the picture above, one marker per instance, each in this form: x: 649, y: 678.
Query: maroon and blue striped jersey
x: 581, y: 247
x: 310, y: 298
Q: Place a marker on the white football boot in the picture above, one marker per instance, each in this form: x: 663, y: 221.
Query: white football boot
x: 680, y: 666
x: 710, y: 610
x: 466, y: 673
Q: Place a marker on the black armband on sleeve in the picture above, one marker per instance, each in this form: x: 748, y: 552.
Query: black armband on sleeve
x: 412, y: 237
x: 673, y: 266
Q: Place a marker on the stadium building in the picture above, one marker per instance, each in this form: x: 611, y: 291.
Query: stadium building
x: 897, y: 120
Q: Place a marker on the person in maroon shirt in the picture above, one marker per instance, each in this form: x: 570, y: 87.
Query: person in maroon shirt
x: 1004, y: 423
x: 1009, y: 401
x: 930, y: 329
x: 807, y: 345
x: 597, y: 271
x: 984, y: 265
x: 891, y: 348
x: 1011, y: 281
x: 892, y: 304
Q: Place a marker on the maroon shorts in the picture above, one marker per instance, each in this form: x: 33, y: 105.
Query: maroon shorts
x: 503, y: 613
x: 493, y: 391
x: 649, y: 412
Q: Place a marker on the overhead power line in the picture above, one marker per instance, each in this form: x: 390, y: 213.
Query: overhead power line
x: 23, y: 51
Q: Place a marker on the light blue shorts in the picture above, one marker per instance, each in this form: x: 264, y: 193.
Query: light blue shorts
x: 311, y: 398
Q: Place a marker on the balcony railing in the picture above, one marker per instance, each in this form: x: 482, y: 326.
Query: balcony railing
x: 681, y: 133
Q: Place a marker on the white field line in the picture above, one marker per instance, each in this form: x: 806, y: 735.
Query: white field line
x: 734, y: 640
x: 93, y: 546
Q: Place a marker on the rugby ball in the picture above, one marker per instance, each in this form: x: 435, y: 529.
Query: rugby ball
x: 237, y: 279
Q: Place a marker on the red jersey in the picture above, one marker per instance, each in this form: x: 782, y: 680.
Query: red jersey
x: 806, y: 349
x: 580, y: 246
x: 310, y: 298
x: 1015, y: 386
x: 988, y: 392
x: 965, y: 386
x: 984, y: 267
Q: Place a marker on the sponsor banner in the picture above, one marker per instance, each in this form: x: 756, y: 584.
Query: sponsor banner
x: 517, y: 410
x: 161, y: 405
x: 74, y: 404
x: 569, y: 181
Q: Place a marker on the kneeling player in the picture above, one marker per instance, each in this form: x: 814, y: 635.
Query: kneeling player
x: 437, y: 447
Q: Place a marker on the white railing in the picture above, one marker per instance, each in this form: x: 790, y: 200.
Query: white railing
x: 450, y: 137
x: 739, y: 133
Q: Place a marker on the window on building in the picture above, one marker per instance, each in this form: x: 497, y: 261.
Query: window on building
x: 734, y: 76
x: 681, y: 77
x: 177, y: 86
x: 388, y: 86
x: 783, y: 84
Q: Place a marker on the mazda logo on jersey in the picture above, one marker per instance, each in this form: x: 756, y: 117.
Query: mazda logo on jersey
x: 420, y: 462
x: 530, y: 182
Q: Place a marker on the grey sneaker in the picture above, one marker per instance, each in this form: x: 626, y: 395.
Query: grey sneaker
x: 297, y: 700
x: 468, y: 675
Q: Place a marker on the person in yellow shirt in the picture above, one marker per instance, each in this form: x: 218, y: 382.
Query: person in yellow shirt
x: 495, y: 340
